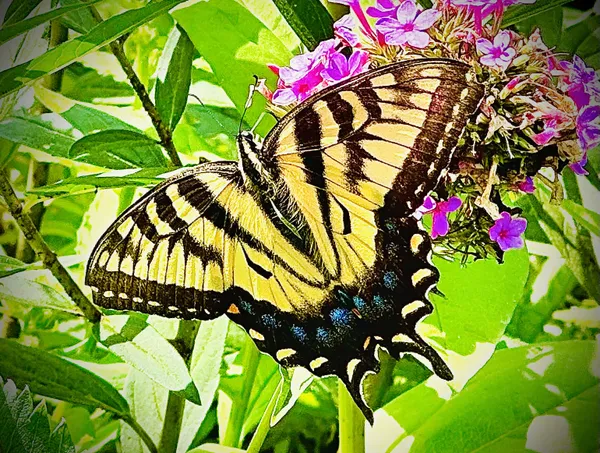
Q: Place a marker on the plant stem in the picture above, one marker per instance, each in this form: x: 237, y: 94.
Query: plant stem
x: 184, y: 343
x: 142, y: 433
x: 166, y: 137
x: 352, y: 423
x: 43, y: 252
x: 233, y: 433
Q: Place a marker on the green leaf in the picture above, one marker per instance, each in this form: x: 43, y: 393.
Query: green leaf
x: 550, y: 25
x: 518, y: 13
x: 81, y: 20
x: 309, y: 19
x: 54, y: 377
x: 174, y: 76
x: 16, y: 28
x: 148, y: 401
x: 578, y: 33
x: 140, y: 345
x: 19, y: 10
x: 13, y: 79
x: 291, y: 389
x: 587, y: 218
x: 10, y: 266
x: 240, y: 47
x: 29, y: 288
x: 89, y: 120
x: 25, y: 429
x: 541, y: 398
x: 469, y: 328
x: 215, y: 448
x: 37, y: 134
x: 205, y: 366
x: 145, y: 177
x: 118, y: 149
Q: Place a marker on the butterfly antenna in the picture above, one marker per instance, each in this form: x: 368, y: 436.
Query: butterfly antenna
x: 251, y: 91
x: 211, y: 114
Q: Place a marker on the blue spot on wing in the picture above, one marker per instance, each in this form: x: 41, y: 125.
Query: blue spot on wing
x: 340, y: 317
x: 323, y: 336
x: 359, y: 302
x: 390, y: 280
x: 299, y: 333
x: 269, y: 321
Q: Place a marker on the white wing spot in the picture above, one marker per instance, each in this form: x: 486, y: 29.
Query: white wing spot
x: 284, y: 353
x: 173, y: 308
x: 415, y: 242
x: 138, y: 300
x: 192, y: 310
x: 421, y: 274
x: 256, y: 335
x: 123, y: 296
x: 153, y: 303
x: 413, y: 306
x: 316, y: 363
x: 351, y: 367
x: 401, y: 338
x: 108, y: 294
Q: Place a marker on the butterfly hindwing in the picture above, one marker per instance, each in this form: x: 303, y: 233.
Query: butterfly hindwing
x: 321, y: 260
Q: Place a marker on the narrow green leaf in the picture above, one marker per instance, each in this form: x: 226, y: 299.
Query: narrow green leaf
x: 240, y: 47
x: 290, y: 390
x: 518, y: 13
x: 36, y: 134
x: 309, y: 19
x: 19, y: 10
x: 15, y: 28
x: 10, y: 266
x: 60, y: 439
x: 205, y: 367
x: 54, y: 377
x: 215, y: 448
x: 140, y: 345
x: 145, y: 177
x: 587, y: 218
x: 82, y: 20
x: 531, y: 398
x: 89, y: 120
x: 13, y: 79
x: 174, y: 76
x: 118, y: 149
x: 26, y: 288
x: 148, y: 402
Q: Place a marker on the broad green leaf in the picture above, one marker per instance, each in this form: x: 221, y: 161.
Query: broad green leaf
x: 29, y: 288
x: 87, y: 84
x: 541, y: 397
x: 174, y: 76
x: 19, y: 10
x: 12, y: 28
x: 550, y: 25
x: 118, y: 149
x: 587, y: 218
x: 89, y: 120
x: 148, y: 402
x: 140, y: 345
x: 10, y: 266
x: 471, y: 319
x: 309, y: 19
x: 25, y: 429
x: 205, y: 366
x: 578, y: 33
x: 37, y: 134
x: 13, y: 79
x: 55, y: 377
x: 145, y: 177
x: 291, y: 389
x: 518, y: 13
x: 81, y: 20
x: 239, y: 48
x: 589, y: 49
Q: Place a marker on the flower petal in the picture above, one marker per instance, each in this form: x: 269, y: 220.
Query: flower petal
x: 429, y: 204
x: 502, y: 40
x: 417, y: 39
x: 284, y: 96
x: 484, y: 45
x: 407, y: 12
x: 426, y: 19
x: 451, y: 205
x: 440, y: 225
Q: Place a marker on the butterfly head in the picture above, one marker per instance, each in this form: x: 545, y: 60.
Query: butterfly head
x: 250, y: 161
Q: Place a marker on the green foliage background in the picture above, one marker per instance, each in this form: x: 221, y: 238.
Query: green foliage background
x: 78, y: 146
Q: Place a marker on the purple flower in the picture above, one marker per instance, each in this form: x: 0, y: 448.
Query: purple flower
x: 440, y: 211
x: 507, y: 232
x: 483, y: 8
x: 409, y: 26
x: 339, y: 67
x: 343, y: 28
x: 527, y: 185
x: 588, y: 127
x: 497, y: 54
x: 360, y: 15
x: 582, y: 82
x: 384, y: 8
x: 578, y: 167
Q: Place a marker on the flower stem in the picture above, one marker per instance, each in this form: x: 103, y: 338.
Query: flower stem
x: 166, y: 137
x: 43, y: 252
x: 233, y: 433
x: 352, y: 423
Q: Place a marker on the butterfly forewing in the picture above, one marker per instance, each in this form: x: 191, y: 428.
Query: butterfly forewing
x: 327, y: 263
